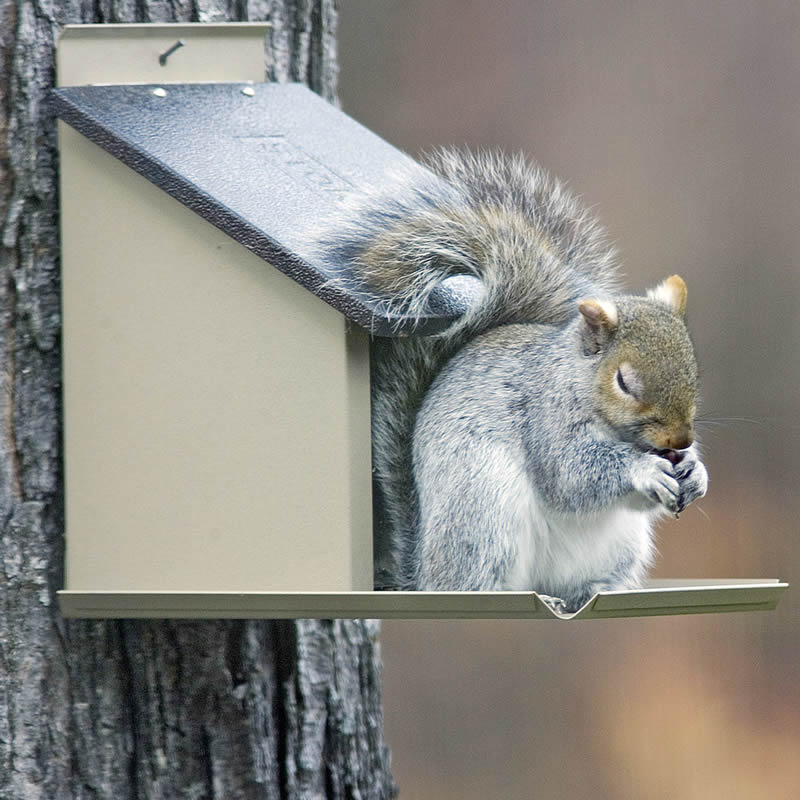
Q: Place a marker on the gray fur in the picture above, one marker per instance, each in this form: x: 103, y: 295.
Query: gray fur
x: 492, y: 467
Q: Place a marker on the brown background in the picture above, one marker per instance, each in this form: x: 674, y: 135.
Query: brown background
x: 680, y: 123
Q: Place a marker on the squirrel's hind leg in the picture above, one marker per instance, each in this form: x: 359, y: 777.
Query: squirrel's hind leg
x: 471, y: 529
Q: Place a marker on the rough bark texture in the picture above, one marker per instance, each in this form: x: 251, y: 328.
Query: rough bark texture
x: 135, y: 709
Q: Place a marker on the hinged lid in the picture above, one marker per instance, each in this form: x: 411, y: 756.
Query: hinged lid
x: 265, y: 163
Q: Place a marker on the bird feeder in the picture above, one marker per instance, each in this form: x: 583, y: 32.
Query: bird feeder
x: 216, y: 383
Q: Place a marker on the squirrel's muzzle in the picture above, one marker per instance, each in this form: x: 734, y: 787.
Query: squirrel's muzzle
x: 678, y: 438
x: 681, y: 440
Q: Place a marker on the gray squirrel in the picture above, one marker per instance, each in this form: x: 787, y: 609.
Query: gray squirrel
x: 533, y: 443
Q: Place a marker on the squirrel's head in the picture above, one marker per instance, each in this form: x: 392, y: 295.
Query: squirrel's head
x: 646, y: 381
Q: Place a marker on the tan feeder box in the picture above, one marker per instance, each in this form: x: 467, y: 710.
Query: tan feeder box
x: 216, y: 385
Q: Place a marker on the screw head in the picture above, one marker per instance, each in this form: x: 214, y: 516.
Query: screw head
x: 159, y: 92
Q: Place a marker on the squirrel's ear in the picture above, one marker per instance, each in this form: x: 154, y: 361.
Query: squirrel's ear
x: 601, y: 320
x: 671, y: 293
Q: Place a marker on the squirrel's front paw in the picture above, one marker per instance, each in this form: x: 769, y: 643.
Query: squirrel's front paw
x: 654, y: 478
x: 692, y: 478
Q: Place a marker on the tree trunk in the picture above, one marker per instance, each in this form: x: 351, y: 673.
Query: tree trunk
x: 135, y: 709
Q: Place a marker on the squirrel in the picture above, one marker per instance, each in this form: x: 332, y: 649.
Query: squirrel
x: 534, y: 442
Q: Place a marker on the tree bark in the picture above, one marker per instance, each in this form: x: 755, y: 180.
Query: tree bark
x: 144, y: 709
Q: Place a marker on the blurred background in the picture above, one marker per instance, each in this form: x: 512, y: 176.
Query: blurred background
x: 680, y: 123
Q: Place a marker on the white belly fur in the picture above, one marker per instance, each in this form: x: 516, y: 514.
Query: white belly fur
x: 557, y: 550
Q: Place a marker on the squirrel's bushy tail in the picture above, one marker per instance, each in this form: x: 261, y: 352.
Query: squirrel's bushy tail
x: 500, y: 220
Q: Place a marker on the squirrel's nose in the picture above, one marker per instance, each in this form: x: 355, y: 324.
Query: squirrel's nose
x: 682, y: 438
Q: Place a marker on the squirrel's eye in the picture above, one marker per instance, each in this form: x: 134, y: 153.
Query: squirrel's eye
x: 628, y: 381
